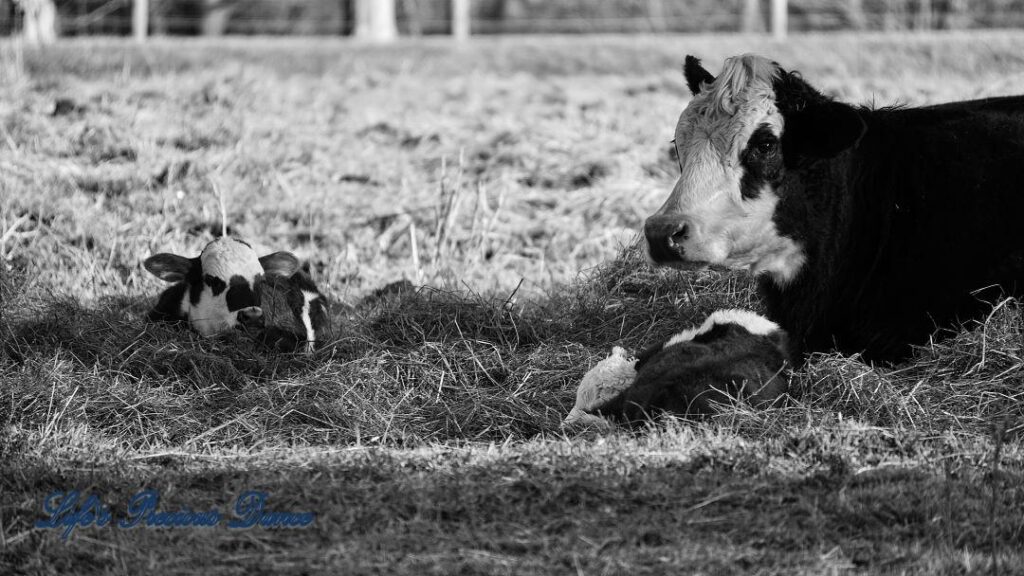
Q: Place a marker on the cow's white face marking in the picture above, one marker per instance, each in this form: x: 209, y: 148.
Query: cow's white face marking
x: 716, y: 223
x: 226, y: 257
x: 236, y: 265
x: 210, y: 315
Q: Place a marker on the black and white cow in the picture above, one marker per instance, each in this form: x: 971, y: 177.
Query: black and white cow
x: 869, y: 227
x: 734, y: 354
x: 227, y: 286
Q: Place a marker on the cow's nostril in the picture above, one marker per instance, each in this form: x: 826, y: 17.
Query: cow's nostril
x: 251, y: 313
x: 679, y: 236
x: 665, y: 236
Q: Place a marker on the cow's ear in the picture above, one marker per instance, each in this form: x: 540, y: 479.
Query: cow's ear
x: 170, y: 267
x: 822, y: 129
x: 696, y: 74
x: 280, y: 263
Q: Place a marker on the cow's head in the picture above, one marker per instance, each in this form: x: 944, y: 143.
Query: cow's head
x: 217, y: 290
x: 735, y: 142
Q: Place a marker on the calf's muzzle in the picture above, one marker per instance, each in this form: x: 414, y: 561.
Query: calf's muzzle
x: 251, y: 317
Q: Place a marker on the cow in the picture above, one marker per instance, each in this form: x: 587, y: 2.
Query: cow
x: 734, y: 354
x: 868, y: 228
x: 227, y: 287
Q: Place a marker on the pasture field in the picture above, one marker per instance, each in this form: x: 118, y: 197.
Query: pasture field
x: 507, y: 179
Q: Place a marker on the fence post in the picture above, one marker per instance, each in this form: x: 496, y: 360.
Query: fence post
x: 751, y: 18
x: 39, y: 21
x: 460, y: 19
x: 779, y: 24
x: 140, y: 20
x: 375, y: 20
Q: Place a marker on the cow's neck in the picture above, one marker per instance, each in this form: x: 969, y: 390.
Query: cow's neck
x: 839, y: 234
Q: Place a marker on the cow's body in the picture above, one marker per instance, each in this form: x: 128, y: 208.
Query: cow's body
x: 916, y: 227
x: 904, y: 221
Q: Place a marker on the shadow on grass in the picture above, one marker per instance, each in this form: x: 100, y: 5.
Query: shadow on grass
x: 409, y: 368
x: 115, y: 337
x: 592, y: 509
x: 623, y: 303
x: 426, y: 365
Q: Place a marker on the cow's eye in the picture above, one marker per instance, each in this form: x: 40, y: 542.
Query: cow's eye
x: 767, y: 146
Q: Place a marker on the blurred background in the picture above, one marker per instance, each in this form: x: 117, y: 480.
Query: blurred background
x: 46, y: 20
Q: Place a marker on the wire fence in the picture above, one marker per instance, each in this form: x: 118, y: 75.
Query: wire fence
x: 425, y: 17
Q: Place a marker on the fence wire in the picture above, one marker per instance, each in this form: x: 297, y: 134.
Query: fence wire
x: 423, y: 17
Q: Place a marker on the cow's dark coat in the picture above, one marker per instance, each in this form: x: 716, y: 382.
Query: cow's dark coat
x: 910, y: 218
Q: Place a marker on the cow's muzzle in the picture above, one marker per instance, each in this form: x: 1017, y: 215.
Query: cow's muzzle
x: 665, y: 236
x: 251, y: 317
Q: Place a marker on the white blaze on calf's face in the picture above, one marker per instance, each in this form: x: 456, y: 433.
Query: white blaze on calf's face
x: 722, y: 226
x: 234, y: 263
x: 306, y: 317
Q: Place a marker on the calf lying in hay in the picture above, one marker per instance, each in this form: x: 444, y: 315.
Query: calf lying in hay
x: 227, y: 287
x: 734, y: 354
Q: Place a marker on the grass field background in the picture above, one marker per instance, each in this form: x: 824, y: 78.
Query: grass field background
x: 508, y: 178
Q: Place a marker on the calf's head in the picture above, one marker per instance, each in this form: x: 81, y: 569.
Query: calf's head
x: 738, y: 141
x: 219, y: 289
x: 295, y: 313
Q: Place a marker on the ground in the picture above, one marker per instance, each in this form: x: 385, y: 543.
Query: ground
x: 507, y: 178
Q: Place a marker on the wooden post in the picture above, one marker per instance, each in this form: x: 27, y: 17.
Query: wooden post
x: 39, y: 23
x: 140, y: 20
x: 924, y: 19
x: 656, y: 15
x: 779, y: 24
x: 751, y: 19
x: 362, y: 26
x: 375, y: 20
x: 855, y: 14
x: 460, y: 19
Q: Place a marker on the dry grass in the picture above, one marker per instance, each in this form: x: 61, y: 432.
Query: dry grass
x: 508, y: 180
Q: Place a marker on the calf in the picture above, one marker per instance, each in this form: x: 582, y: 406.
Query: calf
x: 734, y: 354
x: 868, y: 227
x: 227, y: 286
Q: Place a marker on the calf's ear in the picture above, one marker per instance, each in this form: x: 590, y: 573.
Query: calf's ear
x: 168, y: 307
x: 695, y: 74
x: 280, y: 263
x: 170, y: 267
x: 822, y: 129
